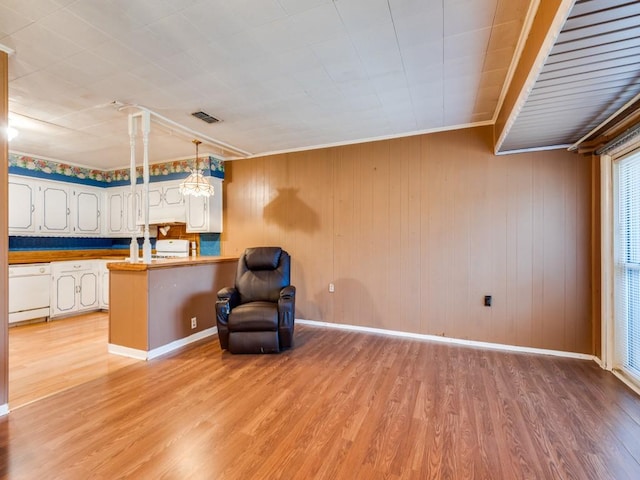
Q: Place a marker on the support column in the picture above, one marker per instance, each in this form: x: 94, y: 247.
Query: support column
x: 146, y: 128
x: 133, y: 247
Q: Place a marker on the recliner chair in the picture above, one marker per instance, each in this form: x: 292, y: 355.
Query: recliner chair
x: 257, y: 315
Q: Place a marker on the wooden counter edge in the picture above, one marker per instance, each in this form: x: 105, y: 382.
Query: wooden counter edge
x: 168, y: 263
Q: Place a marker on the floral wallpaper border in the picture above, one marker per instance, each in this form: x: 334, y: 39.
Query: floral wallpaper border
x: 174, y: 169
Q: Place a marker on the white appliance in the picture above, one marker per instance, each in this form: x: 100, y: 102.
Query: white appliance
x: 29, y: 287
x: 175, y: 248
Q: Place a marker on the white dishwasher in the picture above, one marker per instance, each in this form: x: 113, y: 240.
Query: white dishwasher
x: 29, y: 286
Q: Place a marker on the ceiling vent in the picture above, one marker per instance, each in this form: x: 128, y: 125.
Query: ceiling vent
x: 205, y: 117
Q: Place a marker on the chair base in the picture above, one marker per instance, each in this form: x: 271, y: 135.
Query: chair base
x: 254, y: 342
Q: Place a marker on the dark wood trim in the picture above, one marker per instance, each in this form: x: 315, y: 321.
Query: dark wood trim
x: 44, y: 256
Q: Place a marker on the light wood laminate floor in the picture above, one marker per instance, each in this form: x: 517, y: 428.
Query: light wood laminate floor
x: 48, y: 357
x: 340, y: 405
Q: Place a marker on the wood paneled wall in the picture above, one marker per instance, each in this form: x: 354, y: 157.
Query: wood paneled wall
x: 4, y: 228
x: 414, y: 232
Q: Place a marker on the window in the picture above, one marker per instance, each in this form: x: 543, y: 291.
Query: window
x: 627, y: 266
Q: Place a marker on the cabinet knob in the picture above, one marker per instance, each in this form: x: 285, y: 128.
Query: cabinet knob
x: 41, y: 269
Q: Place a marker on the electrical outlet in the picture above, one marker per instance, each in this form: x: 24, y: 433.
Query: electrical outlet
x: 332, y: 288
x: 194, y: 322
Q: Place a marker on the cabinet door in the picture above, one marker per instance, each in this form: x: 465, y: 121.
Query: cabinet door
x: 115, y: 212
x: 197, y: 214
x: 63, y: 294
x: 55, y: 209
x: 132, y: 218
x: 172, y: 196
x: 86, y: 211
x: 104, y: 288
x: 204, y: 214
x: 215, y: 207
x: 22, y: 205
x: 155, y: 196
x: 88, y: 290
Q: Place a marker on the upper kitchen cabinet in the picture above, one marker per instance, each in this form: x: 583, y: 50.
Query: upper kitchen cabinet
x: 122, y: 217
x: 166, y: 203
x: 22, y: 206
x: 44, y: 207
x: 86, y: 209
x: 55, y: 211
x: 204, y: 214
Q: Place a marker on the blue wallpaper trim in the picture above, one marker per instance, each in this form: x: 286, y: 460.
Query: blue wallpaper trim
x: 158, y: 172
x: 56, y: 176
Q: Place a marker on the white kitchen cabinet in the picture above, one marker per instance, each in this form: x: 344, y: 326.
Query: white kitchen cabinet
x: 86, y: 210
x: 166, y: 203
x: 74, y: 287
x: 54, y: 208
x: 122, y: 220
x: 22, y: 206
x: 46, y: 207
x: 115, y: 212
x: 103, y: 271
x: 204, y: 214
x: 104, y: 286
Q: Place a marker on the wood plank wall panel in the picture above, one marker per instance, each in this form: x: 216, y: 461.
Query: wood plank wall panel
x: 4, y: 228
x: 414, y: 232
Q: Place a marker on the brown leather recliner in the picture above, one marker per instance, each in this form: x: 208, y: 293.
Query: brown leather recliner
x: 257, y: 315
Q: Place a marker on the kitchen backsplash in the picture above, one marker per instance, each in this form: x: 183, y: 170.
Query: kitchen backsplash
x: 71, y: 243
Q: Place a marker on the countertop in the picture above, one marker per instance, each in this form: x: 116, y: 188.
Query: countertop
x: 168, y: 263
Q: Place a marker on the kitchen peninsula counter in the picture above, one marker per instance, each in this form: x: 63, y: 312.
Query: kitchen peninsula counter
x: 169, y: 263
x: 152, y: 306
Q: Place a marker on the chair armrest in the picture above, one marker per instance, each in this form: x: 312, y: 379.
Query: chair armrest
x: 228, y: 298
x: 227, y: 293
x: 288, y: 293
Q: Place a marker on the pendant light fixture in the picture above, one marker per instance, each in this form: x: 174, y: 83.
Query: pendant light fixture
x: 195, y: 184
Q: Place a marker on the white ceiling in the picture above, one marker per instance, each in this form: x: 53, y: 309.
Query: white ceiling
x: 280, y: 74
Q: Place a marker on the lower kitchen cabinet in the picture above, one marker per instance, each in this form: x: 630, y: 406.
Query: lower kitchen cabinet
x: 74, y: 287
x: 104, y: 282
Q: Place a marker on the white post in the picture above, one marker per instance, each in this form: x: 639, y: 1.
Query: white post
x: 133, y: 247
x: 146, y: 127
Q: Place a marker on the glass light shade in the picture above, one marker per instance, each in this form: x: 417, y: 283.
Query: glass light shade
x: 196, y: 185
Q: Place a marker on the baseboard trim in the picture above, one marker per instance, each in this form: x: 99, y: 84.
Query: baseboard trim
x: 156, y: 352
x: 448, y: 340
x: 4, y: 410
x: 127, y: 351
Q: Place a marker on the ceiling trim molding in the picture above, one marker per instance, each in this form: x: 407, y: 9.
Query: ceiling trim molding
x: 9, y: 51
x: 374, y: 139
x: 533, y: 149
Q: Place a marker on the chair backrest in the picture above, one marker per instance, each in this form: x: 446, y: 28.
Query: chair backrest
x: 262, y: 273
